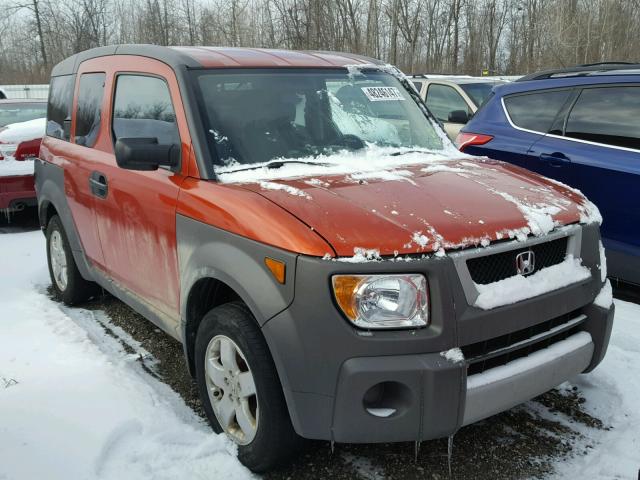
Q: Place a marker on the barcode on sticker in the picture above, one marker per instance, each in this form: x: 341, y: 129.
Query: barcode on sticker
x: 381, y: 94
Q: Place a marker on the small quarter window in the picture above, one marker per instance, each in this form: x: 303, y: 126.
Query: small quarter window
x: 59, y: 107
x: 607, y: 115
x: 536, y: 111
x: 89, y: 108
x: 143, y: 109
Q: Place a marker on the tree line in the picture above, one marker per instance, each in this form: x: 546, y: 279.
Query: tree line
x: 420, y: 36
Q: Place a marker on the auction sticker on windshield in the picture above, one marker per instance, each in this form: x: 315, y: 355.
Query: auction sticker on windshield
x: 380, y: 94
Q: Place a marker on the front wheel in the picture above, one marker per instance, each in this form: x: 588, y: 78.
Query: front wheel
x: 240, y: 389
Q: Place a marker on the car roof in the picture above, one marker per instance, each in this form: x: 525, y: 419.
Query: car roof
x: 590, y: 69
x: 219, y: 57
x: 459, y: 80
x: 9, y: 101
x: 602, y: 77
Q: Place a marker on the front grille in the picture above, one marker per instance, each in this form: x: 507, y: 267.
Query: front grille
x: 498, y: 351
x: 492, y: 268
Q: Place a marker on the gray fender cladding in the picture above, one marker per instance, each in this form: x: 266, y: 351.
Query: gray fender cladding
x: 209, y: 252
x: 49, y: 180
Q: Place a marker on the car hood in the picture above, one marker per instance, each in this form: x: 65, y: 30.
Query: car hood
x: 428, y: 207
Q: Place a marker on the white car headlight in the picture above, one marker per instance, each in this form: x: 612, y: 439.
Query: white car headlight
x: 383, y: 301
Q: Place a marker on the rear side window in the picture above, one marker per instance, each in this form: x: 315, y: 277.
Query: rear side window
x: 443, y: 99
x: 143, y: 109
x: 607, y: 115
x: 90, y: 94
x: 59, y: 106
x: 536, y: 111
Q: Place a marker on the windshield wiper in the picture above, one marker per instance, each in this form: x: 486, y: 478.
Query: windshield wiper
x: 278, y: 164
x: 404, y: 152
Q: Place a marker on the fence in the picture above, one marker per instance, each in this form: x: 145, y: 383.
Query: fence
x: 25, y: 91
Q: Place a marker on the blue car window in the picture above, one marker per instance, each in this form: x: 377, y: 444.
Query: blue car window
x: 608, y: 115
x: 536, y: 111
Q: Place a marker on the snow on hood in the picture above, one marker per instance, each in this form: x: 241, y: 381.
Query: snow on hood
x: 20, y: 132
x: 417, y: 202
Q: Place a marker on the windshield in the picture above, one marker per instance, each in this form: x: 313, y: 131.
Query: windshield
x: 256, y: 116
x: 478, y: 91
x: 21, y: 112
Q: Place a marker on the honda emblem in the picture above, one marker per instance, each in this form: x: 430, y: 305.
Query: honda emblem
x: 525, y: 262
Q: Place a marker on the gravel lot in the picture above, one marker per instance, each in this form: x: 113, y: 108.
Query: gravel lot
x: 523, y: 442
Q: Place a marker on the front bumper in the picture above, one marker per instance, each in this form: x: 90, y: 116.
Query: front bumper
x: 350, y: 385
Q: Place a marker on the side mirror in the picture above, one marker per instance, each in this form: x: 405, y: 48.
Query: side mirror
x: 145, y: 154
x: 459, y: 116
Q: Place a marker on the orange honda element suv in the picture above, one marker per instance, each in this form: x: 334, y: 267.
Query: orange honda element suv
x: 334, y: 268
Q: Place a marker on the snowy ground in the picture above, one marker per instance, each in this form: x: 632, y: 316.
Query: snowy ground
x: 74, y: 405
x: 76, y: 401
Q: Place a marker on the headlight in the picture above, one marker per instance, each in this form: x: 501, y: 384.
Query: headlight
x: 383, y: 301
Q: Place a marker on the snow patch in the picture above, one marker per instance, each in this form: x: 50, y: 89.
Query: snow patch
x: 285, y: 188
x: 517, y: 288
x: 454, y: 355
x: 361, y: 255
x: 103, y: 416
x: 372, y: 159
x: 316, y: 182
x: 604, y: 299
x: 23, y: 131
x: 385, y: 175
x: 10, y: 167
x: 538, y: 216
x: 589, y: 213
x: 420, y: 239
x: 603, y: 262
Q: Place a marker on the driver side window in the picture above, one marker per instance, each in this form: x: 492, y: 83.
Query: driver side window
x: 443, y: 99
x: 143, y: 109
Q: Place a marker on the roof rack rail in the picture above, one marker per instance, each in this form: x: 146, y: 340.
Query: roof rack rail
x: 579, y: 70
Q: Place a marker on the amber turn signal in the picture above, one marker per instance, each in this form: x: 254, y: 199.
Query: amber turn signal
x: 344, y: 288
x: 277, y: 268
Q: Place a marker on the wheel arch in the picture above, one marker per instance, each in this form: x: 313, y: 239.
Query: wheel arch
x: 52, y: 200
x: 205, y: 294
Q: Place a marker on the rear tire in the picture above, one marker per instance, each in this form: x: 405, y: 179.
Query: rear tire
x: 269, y: 439
x: 65, y: 276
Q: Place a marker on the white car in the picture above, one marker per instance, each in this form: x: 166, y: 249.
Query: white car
x: 453, y: 100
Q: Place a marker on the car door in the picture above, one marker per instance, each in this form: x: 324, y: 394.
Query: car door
x: 59, y: 148
x: 136, y: 210
x: 448, y: 106
x: 600, y: 146
x: 534, y: 114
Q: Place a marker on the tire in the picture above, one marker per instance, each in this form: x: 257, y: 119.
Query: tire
x: 70, y: 287
x: 274, y: 441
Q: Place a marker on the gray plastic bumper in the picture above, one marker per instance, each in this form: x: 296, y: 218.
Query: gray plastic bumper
x: 506, y: 386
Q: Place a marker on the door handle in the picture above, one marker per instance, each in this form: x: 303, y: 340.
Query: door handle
x: 98, y: 184
x: 555, y: 159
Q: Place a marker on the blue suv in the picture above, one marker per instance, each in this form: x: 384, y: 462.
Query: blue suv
x: 580, y: 126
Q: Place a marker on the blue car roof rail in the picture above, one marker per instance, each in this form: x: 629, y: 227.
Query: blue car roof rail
x: 581, y: 70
